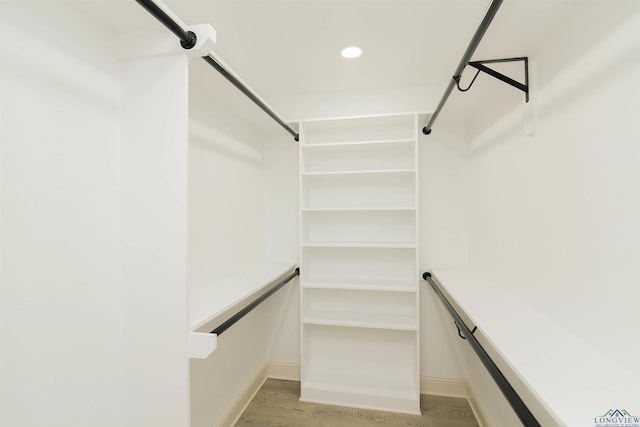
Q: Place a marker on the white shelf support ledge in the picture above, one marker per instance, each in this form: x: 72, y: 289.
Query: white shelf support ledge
x: 202, y: 344
x: 158, y: 42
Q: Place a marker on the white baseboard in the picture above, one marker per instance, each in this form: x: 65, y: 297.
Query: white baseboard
x: 428, y: 385
x: 283, y: 371
x: 241, y: 402
x: 444, y: 387
x: 477, y: 408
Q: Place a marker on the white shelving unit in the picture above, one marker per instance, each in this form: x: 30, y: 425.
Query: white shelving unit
x: 359, y: 262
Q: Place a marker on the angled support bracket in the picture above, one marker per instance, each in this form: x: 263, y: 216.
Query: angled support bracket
x: 475, y: 328
x: 480, y: 66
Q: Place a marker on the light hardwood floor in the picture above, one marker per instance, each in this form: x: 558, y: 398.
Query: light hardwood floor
x: 277, y: 404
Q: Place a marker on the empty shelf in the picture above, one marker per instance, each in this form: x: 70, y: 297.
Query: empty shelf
x: 229, y: 294
x: 361, y: 320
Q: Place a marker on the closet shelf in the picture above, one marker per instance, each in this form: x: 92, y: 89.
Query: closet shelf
x: 515, y: 332
x: 358, y: 143
x: 361, y: 320
x: 371, y: 384
x: 372, y: 209
x: 362, y: 172
x: 383, y: 392
x: 363, y: 285
x: 390, y: 245
x: 216, y: 300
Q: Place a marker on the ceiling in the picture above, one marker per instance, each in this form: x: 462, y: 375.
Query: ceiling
x: 288, y: 51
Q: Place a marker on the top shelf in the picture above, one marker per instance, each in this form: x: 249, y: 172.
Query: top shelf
x: 365, y: 130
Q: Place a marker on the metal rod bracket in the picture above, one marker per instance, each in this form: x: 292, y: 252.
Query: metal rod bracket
x: 475, y: 328
x: 468, y: 53
x: 190, y: 42
x: 479, y: 65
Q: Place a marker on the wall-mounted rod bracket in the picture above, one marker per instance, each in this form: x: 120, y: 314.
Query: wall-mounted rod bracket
x: 480, y: 66
x: 475, y: 328
x: 468, y: 53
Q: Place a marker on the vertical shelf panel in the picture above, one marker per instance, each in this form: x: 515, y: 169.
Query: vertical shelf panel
x: 359, y: 255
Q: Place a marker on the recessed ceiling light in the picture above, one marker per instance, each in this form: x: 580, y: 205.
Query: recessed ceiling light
x: 351, y: 52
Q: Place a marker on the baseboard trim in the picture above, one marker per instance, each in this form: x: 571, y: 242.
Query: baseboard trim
x: 477, y: 408
x: 241, y: 402
x: 444, y: 387
x: 283, y: 371
x: 428, y: 385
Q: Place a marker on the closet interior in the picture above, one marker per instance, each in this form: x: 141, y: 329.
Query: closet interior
x: 356, y: 225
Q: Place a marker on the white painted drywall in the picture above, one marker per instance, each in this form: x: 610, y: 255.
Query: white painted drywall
x: 61, y: 325
x: 558, y: 210
x: 357, y: 102
x: 153, y: 179
x: 225, y: 203
x: 443, y: 239
x: 216, y: 382
x: 554, y: 215
x: 281, y: 245
x: 226, y: 237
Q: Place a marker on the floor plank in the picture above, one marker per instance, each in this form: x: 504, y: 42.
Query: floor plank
x: 277, y: 404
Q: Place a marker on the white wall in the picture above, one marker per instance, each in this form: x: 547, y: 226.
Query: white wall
x: 226, y: 236
x: 153, y: 182
x: 226, y: 211
x: 558, y: 210
x: 61, y: 326
x: 554, y: 216
x: 392, y: 100
x: 281, y: 245
x: 443, y: 239
x: 94, y: 231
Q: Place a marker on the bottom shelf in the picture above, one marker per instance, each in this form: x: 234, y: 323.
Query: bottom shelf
x: 368, y: 392
x: 365, y: 368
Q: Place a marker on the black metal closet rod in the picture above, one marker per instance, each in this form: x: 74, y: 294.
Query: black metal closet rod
x: 519, y: 407
x: 188, y: 40
x: 471, y: 48
x: 239, y: 315
x: 237, y: 83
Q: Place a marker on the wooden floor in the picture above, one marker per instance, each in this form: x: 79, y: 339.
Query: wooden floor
x: 277, y: 404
